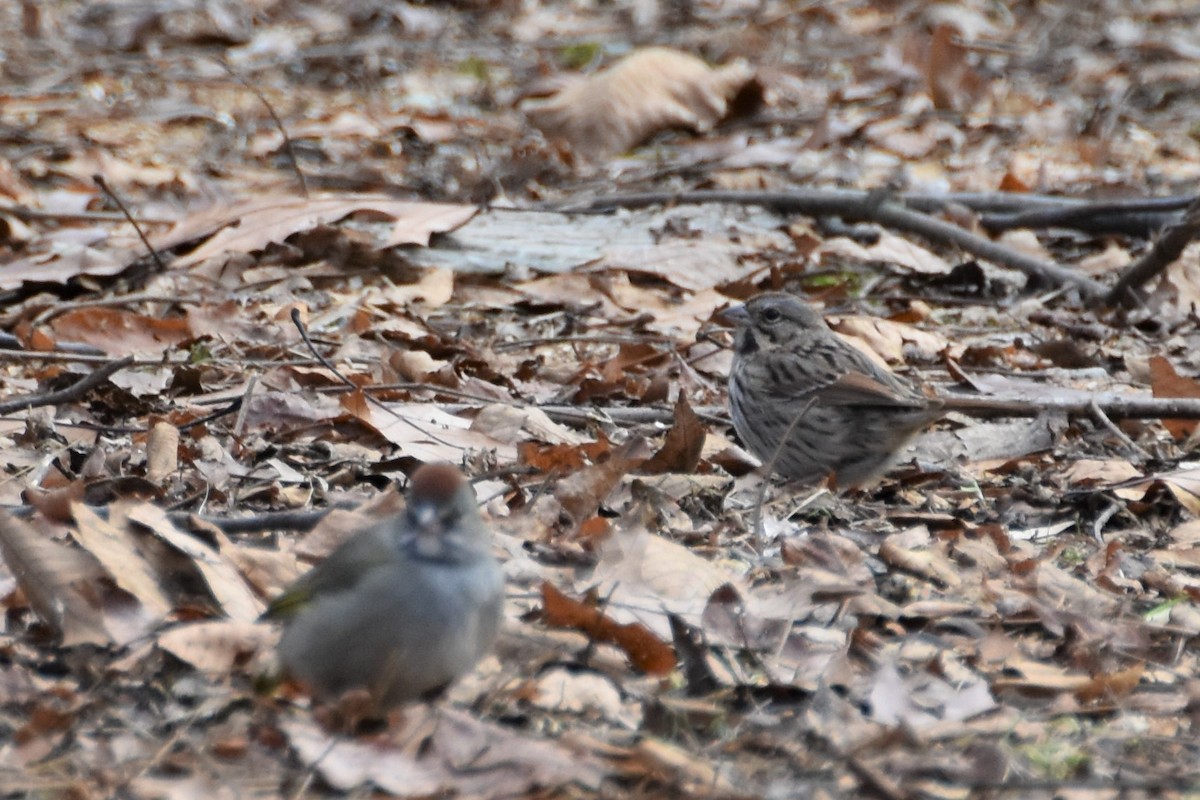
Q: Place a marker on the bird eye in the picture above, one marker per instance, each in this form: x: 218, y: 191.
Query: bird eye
x: 771, y: 315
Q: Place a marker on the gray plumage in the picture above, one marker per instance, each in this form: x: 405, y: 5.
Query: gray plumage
x: 402, y: 608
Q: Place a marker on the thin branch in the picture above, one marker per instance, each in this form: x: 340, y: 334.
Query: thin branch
x: 979, y: 202
x: 595, y: 338
x: 1113, y: 406
x: 1164, y: 253
x: 72, y: 392
x: 27, y: 214
x: 1098, y: 219
x: 103, y: 184
x: 287, y: 140
x: 59, y: 308
x: 325, y: 362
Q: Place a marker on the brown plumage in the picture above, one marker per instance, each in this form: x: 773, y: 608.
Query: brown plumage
x: 848, y: 416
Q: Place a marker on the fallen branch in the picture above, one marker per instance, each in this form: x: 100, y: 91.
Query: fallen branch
x: 1129, y: 217
x: 72, y: 392
x: 1164, y: 253
x: 1114, y: 406
x: 861, y: 206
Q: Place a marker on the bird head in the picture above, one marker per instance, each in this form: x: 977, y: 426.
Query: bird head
x: 441, y: 517
x: 772, y: 320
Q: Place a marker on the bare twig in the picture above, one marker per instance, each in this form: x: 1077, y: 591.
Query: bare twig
x: 99, y: 179
x: 1099, y: 415
x: 325, y: 362
x: 1164, y: 253
x: 1113, y: 406
x: 298, y: 520
x: 27, y: 214
x: 599, y: 338
x: 1130, y: 217
x: 769, y: 467
x: 287, y: 140
x: 72, y: 392
x: 979, y: 202
x: 62, y: 307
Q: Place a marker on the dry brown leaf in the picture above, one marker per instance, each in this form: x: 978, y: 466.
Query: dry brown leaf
x: 504, y: 762
x: 340, y: 524
x: 424, y: 431
x: 59, y: 582
x: 671, y: 762
x: 513, y: 424
x: 954, y: 85
x: 71, y: 590
x: 1102, y: 472
x: 121, y: 333
x: 582, y: 493
x: 645, y: 650
x: 1183, y: 484
x: 648, y: 91
x: 887, y: 340
x: 217, y: 647
x: 890, y: 249
x: 55, y: 505
x: 683, y: 445
x: 1111, y: 685
x: 563, y: 458
x: 922, y: 697
x: 60, y: 265
x: 1039, y: 675
x: 433, y: 288
x: 1166, y: 382
x: 563, y: 690
x: 252, y: 225
x: 228, y: 587
x: 643, y: 576
x: 928, y: 563
x: 694, y: 264
x: 117, y: 551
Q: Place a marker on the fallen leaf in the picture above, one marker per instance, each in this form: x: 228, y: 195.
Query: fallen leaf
x: 60, y: 582
x: 1166, y: 382
x: 252, y: 225
x: 683, y: 444
x: 646, y: 92
x: 117, y: 551
x: 217, y: 647
x: 228, y: 587
x: 645, y: 650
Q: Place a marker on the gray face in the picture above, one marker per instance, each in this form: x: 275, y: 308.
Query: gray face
x: 772, y: 319
x: 443, y: 531
x: 775, y: 312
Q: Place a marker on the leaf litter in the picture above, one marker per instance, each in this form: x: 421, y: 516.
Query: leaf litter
x: 1014, y: 606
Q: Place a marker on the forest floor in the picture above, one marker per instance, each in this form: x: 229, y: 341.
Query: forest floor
x: 508, y: 231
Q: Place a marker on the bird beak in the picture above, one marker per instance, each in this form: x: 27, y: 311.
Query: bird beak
x: 738, y: 315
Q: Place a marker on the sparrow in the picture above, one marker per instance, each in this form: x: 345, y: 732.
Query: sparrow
x: 811, y: 405
x: 401, y: 609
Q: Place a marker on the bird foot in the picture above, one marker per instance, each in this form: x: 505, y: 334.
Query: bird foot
x: 355, y: 713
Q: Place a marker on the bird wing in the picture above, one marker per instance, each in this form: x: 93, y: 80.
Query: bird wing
x: 851, y: 380
x: 341, y: 571
x: 858, y: 389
